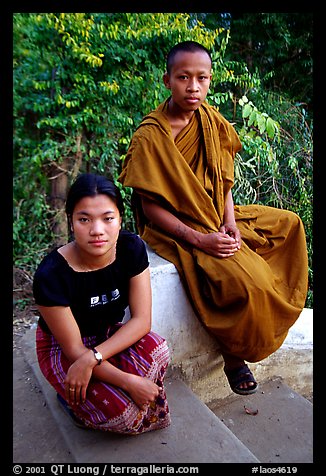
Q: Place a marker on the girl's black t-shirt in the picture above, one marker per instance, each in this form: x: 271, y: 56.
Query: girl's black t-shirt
x: 98, y: 298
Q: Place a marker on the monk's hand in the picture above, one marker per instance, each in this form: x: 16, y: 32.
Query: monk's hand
x: 219, y: 244
x: 233, y: 231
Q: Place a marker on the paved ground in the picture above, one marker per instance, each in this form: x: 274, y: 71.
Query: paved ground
x: 33, y: 441
x: 35, y: 435
x: 179, y: 443
x: 36, y: 438
x: 275, y: 425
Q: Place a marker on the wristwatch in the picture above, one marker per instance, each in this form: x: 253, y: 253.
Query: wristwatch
x: 98, y: 356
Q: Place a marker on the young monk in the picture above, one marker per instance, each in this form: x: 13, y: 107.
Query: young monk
x: 244, y: 268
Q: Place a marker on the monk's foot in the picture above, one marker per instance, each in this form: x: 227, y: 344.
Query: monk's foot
x: 240, y: 378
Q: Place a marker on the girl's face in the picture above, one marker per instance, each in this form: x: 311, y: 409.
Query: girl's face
x: 96, y: 223
x: 189, y: 79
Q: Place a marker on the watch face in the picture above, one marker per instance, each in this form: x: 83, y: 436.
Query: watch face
x: 98, y: 356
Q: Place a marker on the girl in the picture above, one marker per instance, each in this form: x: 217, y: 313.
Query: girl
x: 107, y: 375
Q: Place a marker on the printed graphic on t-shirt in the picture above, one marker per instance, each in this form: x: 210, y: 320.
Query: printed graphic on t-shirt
x: 115, y: 294
x: 103, y: 299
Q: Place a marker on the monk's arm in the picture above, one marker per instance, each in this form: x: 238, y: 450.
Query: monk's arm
x: 229, y: 224
x: 169, y: 222
x: 218, y: 244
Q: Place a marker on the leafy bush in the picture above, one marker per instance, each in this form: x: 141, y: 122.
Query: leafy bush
x: 83, y: 82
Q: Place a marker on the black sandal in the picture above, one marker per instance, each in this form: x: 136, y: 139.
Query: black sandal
x: 241, y: 375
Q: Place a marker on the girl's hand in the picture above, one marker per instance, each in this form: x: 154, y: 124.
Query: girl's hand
x: 142, y: 390
x: 78, y: 377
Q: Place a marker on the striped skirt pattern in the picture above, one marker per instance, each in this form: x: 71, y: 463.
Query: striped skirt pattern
x: 108, y: 407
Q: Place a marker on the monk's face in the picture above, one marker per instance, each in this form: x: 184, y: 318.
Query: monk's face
x: 189, y: 79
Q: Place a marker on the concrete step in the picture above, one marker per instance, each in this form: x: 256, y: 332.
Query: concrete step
x: 196, y: 434
x: 277, y: 426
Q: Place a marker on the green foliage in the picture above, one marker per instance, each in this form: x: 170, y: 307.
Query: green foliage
x: 280, y: 45
x: 274, y: 166
x: 80, y: 90
x: 83, y: 82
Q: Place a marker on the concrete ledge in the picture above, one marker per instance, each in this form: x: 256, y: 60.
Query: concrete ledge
x: 195, y: 353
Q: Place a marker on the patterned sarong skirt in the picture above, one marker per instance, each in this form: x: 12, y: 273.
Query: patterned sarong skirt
x: 108, y: 407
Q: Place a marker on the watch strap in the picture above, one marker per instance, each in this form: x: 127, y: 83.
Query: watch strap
x: 98, y: 356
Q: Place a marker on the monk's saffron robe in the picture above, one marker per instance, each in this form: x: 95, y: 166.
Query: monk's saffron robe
x: 250, y: 300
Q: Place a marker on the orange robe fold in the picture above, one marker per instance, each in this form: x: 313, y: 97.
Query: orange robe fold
x: 250, y: 300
